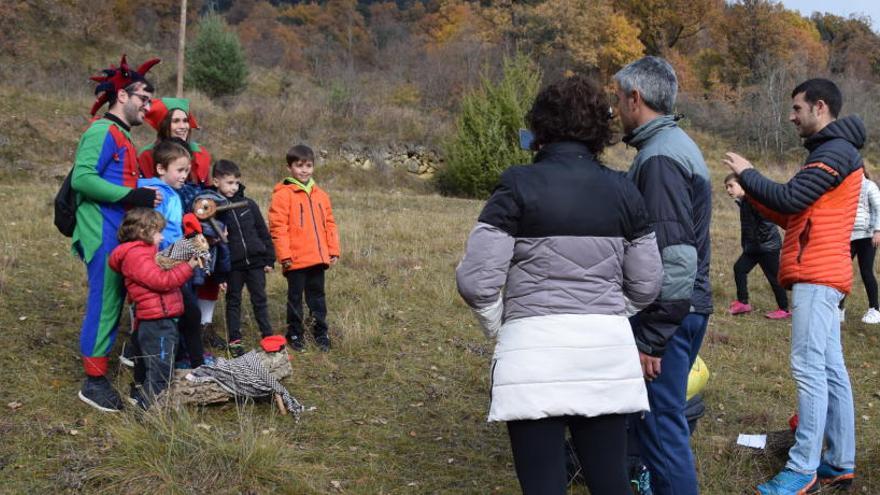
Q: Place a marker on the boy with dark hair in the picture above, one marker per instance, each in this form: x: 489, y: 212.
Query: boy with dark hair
x: 300, y: 153
x: 172, y: 164
x: 761, y: 244
x: 250, y: 251
x: 306, y: 244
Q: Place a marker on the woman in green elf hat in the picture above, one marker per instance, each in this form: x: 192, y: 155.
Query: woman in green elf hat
x: 171, y: 118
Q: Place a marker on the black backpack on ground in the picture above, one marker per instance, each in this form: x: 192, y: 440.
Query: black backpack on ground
x: 65, y: 207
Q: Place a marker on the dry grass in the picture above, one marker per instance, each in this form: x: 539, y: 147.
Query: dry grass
x: 399, y: 404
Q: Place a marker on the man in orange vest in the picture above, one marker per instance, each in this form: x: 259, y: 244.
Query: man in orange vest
x: 817, y: 209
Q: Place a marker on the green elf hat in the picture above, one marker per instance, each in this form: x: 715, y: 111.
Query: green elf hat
x: 160, y: 107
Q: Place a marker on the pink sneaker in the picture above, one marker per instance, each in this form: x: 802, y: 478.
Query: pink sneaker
x: 779, y: 314
x: 738, y: 308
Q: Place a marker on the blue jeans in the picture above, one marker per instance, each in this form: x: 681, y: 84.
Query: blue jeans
x: 157, y: 342
x: 824, y: 393
x: 663, y: 433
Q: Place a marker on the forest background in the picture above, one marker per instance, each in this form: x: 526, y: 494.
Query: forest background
x: 360, y: 72
x: 398, y: 406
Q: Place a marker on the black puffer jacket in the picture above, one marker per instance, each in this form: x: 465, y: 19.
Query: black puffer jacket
x: 250, y: 245
x: 759, y: 235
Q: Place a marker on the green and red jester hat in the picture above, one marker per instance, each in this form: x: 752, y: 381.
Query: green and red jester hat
x: 201, y: 162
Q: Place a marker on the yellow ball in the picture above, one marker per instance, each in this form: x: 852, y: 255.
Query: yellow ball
x: 697, y: 378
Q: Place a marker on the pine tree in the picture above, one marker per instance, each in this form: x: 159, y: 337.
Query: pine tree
x: 215, y: 60
x: 486, y: 141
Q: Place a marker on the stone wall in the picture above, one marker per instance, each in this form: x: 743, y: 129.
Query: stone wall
x: 415, y: 159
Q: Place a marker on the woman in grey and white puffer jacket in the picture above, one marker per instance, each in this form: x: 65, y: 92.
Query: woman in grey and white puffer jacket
x: 562, y: 252
x: 863, y: 243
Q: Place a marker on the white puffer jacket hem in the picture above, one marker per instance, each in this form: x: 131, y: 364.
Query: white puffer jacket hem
x: 557, y: 365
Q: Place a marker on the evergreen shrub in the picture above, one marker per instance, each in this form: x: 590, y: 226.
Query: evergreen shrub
x: 215, y: 61
x: 486, y: 139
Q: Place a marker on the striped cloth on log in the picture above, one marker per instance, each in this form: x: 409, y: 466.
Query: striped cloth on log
x: 245, y: 376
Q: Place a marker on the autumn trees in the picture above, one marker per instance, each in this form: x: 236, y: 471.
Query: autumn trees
x: 735, y: 59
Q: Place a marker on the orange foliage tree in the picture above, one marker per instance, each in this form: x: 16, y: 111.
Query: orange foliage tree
x: 585, y: 34
x: 334, y: 30
x: 854, y: 48
x: 664, y: 23
x: 267, y: 41
x: 454, y: 21
x: 762, y: 34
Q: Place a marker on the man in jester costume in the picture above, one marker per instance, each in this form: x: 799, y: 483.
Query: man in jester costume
x: 105, y: 177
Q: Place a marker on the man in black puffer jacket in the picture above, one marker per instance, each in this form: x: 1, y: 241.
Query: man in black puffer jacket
x: 251, y: 253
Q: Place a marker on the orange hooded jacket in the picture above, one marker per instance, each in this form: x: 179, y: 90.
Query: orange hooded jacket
x: 302, y: 226
x: 816, y: 207
x: 816, y: 245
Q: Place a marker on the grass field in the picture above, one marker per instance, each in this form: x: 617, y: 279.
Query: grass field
x: 398, y: 406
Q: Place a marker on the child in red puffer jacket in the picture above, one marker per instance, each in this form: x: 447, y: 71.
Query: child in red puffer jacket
x: 155, y: 293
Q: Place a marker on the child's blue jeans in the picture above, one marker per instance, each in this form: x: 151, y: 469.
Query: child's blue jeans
x: 157, y: 340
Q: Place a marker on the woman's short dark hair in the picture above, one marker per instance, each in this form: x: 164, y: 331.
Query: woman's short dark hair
x: 573, y: 109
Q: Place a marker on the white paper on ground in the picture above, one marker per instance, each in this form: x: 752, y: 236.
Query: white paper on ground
x: 753, y: 441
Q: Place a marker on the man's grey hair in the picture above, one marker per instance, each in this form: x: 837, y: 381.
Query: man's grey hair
x: 654, y: 79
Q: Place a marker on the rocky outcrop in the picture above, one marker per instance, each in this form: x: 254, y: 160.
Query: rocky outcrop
x: 415, y: 159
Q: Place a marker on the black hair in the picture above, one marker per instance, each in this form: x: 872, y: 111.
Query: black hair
x: 731, y: 177
x: 573, y: 109
x: 222, y: 168
x: 821, y: 89
x: 298, y: 153
x: 147, y: 86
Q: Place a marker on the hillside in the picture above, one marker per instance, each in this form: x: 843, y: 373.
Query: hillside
x: 399, y: 404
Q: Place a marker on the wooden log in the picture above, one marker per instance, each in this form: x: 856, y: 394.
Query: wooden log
x: 183, y: 392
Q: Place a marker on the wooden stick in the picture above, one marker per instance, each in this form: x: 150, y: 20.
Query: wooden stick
x: 181, y: 48
x: 280, y: 403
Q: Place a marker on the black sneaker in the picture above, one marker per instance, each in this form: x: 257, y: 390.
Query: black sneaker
x: 323, y: 343
x: 236, y: 348
x: 296, y: 343
x: 136, y: 396
x: 98, y: 393
x: 210, y: 337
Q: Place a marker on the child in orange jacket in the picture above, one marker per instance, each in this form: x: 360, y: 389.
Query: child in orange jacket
x: 306, y: 244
